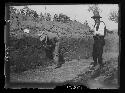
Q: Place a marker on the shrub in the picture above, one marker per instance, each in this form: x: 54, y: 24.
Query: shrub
x: 26, y: 54
x: 73, y: 47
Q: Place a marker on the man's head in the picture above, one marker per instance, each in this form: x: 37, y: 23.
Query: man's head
x: 97, y: 20
x: 96, y: 17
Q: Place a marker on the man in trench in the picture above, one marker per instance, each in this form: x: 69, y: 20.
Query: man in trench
x: 99, y: 32
x: 52, y: 47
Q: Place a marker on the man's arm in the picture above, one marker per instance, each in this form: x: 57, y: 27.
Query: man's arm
x: 105, y: 31
x: 93, y: 31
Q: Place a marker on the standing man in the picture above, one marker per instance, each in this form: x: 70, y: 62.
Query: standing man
x: 99, y: 42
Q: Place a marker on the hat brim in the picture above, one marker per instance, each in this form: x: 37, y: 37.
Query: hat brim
x: 96, y: 17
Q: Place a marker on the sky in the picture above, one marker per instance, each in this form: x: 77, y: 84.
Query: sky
x: 78, y: 12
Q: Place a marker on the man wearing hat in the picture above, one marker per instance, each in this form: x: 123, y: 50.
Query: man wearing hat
x: 99, y: 31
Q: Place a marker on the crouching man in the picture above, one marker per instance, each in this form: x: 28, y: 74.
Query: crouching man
x: 51, y: 43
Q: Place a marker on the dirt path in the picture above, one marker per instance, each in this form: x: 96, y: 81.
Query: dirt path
x: 68, y: 71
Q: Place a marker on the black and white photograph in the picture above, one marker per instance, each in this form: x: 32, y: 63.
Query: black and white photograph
x: 57, y: 44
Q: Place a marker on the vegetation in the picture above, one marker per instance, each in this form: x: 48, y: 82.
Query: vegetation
x: 114, y: 16
x: 26, y: 50
x: 26, y: 53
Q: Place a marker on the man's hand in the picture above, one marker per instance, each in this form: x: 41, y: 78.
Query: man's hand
x: 98, y: 34
x: 47, y: 45
x: 91, y: 30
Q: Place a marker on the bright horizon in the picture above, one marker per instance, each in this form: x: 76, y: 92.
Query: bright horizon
x: 78, y: 12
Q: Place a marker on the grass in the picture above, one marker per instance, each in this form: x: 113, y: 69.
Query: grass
x: 26, y: 52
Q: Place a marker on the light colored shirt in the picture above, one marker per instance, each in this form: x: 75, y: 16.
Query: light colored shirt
x: 26, y: 30
x: 51, y: 35
x: 100, y: 29
x: 46, y: 34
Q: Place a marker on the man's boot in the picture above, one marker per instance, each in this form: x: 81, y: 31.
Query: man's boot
x: 95, y: 61
x: 61, y: 61
x: 101, y: 63
x: 93, y: 65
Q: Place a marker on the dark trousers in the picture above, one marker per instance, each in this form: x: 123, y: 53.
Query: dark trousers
x: 49, y: 52
x: 98, y: 45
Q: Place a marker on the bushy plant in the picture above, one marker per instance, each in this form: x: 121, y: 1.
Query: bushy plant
x: 26, y: 54
x: 73, y: 47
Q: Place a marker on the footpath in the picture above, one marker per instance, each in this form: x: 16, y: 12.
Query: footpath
x: 68, y: 71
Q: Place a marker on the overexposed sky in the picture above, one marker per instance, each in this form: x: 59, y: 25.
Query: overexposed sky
x: 78, y: 12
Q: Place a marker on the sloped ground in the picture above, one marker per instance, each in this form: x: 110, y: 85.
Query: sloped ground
x: 68, y: 71
x: 74, y: 71
x: 55, y: 27
x: 106, y: 77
